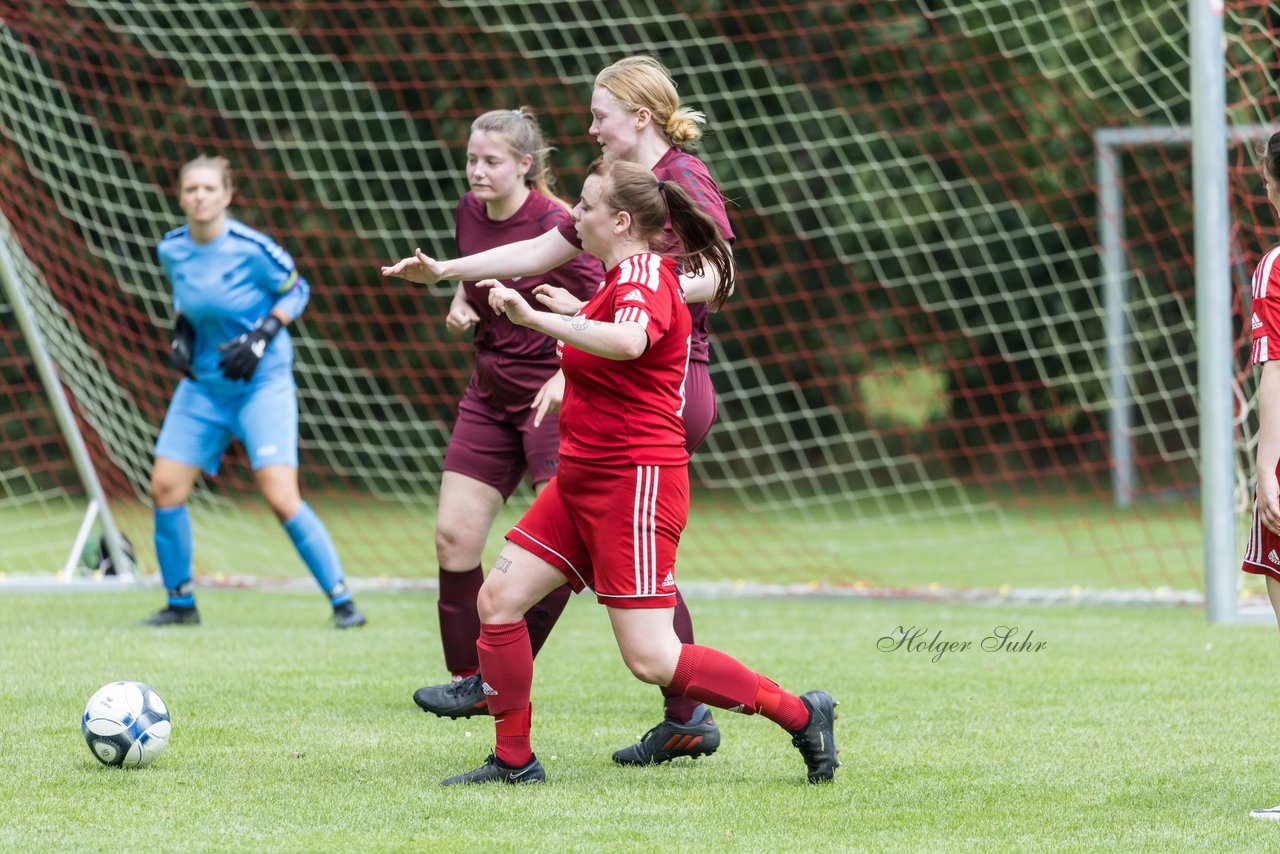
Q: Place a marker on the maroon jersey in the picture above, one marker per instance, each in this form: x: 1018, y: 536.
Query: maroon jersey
x: 512, y: 362
x: 691, y: 174
x: 629, y: 412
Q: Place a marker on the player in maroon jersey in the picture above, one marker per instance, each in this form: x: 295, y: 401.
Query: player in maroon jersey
x: 611, y: 518
x: 636, y: 116
x: 495, y: 441
x: 1262, y: 555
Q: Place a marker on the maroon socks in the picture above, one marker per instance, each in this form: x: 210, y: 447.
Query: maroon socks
x: 459, y: 623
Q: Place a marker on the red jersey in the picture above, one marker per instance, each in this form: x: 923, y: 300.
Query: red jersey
x: 512, y: 362
x: 681, y: 167
x: 619, y: 413
x: 1266, y: 306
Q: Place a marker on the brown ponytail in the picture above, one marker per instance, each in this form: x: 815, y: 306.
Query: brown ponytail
x: 651, y: 202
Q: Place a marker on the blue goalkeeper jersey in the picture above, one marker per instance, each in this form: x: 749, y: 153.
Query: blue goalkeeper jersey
x: 224, y: 287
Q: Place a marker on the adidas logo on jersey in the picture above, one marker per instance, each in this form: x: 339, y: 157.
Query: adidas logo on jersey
x: 634, y: 296
x: 488, y: 690
x: 669, y: 580
x: 1273, y: 557
x: 1256, y: 321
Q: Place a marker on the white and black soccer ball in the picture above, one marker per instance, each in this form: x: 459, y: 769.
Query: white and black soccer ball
x: 126, y: 724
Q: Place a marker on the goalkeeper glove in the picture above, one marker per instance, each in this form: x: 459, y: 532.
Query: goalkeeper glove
x: 242, y: 354
x: 182, y: 349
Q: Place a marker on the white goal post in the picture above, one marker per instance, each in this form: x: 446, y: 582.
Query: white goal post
x: 98, y: 509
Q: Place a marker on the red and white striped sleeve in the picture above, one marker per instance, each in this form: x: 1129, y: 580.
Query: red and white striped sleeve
x: 639, y: 296
x: 1266, y: 306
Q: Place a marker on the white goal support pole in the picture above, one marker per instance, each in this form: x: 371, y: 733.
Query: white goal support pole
x: 1213, y: 307
x: 65, y: 418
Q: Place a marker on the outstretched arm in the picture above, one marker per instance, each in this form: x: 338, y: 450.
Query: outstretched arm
x: 618, y: 341
x: 524, y: 258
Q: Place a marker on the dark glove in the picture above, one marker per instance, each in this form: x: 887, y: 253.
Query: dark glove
x: 182, y: 349
x: 241, y: 355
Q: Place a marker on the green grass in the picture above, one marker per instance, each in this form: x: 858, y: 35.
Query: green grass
x: 959, y: 542
x: 1132, y: 729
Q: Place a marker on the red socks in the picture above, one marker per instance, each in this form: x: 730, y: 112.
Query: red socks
x: 709, y: 676
x: 506, y: 661
x: 459, y: 623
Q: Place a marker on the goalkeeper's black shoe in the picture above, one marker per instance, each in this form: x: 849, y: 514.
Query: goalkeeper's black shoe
x: 462, y: 698
x: 347, y: 616
x: 670, y: 740
x: 816, y: 741
x: 494, y: 770
x: 173, y: 616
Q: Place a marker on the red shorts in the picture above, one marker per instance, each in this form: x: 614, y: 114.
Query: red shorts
x: 1262, y: 555
x: 611, y: 528
x: 498, y: 449
x: 699, y: 405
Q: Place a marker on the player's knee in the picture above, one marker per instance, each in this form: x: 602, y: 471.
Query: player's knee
x: 500, y: 601
x: 454, y: 549
x: 167, y: 492
x: 489, y: 605
x: 648, y: 667
x: 285, y: 506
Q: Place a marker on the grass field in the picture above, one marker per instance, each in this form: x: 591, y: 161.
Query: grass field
x: 1130, y: 729
x: 1054, y: 542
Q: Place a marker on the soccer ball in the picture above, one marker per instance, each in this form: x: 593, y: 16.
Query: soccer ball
x: 126, y: 724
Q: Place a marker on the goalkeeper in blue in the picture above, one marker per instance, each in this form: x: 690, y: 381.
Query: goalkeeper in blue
x: 234, y: 293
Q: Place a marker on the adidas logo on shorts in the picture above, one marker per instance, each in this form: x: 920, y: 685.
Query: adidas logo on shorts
x: 1273, y: 557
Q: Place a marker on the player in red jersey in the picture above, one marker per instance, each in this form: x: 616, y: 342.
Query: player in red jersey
x: 1262, y: 555
x: 611, y: 518
x: 495, y: 440
x: 636, y: 116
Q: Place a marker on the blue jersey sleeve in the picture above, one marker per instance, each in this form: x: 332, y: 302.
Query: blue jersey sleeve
x: 278, y: 273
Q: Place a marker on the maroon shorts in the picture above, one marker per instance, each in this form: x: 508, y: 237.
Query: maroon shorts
x: 699, y: 405
x: 1262, y: 555
x: 498, y: 449
x: 614, y: 529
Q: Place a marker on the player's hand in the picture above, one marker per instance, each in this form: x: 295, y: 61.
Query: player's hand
x: 421, y: 268
x: 548, y: 398
x: 508, y: 301
x: 461, y: 317
x: 182, y: 349
x: 241, y: 355
x: 1268, y: 498
x: 558, y: 300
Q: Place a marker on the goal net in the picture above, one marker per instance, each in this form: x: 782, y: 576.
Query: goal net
x: 913, y: 378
